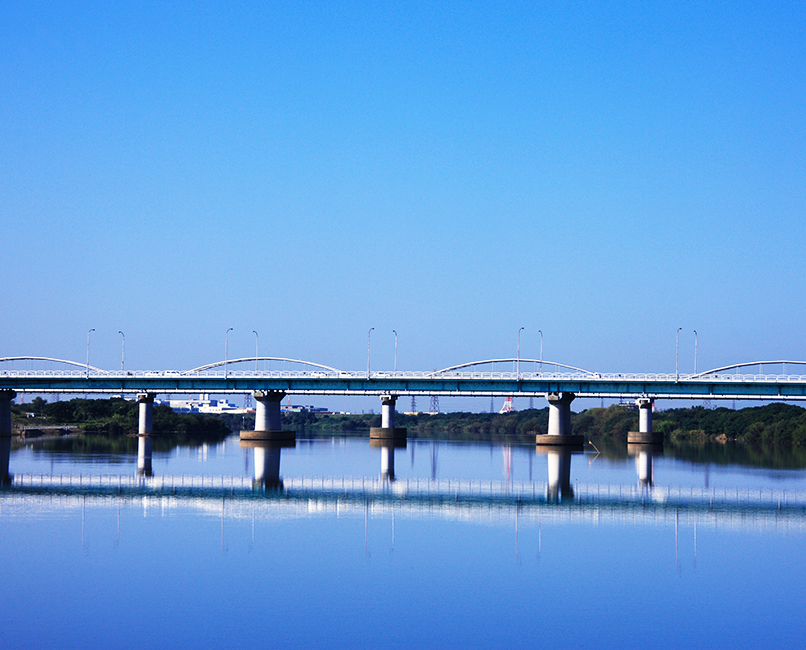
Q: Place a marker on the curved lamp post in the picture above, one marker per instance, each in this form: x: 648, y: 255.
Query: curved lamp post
x: 676, y: 354
x: 257, y: 340
x: 695, y: 352
x: 541, y: 351
x: 519, y: 353
x: 226, y: 351
x: 369, y: 336
x: 88, y: 351
x: 395, y: 333
x: 122, y: 351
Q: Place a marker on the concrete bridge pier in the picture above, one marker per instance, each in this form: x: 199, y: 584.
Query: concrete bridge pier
x: 146, y: 402
x: 388, y: 430
x: 644, y: 435
x: 559, y: 429
x: 144, y: 429
x: 5, y: 434
x: 268, y: 420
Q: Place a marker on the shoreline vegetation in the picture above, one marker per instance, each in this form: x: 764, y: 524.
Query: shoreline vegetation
x: 777, y: 423
x: 770, y: 436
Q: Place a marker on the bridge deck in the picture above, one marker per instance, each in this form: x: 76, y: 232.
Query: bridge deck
x: 487, y: 384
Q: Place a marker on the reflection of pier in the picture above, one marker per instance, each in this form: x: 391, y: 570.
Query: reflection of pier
x: 559, y: 465
x: 387, y: 447
x: 5, y: 434
x: 266, y: 458
x: 644, y: 455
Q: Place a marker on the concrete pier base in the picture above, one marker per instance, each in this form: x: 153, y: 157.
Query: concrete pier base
x: 388, y: 433
x: 268, y: 420
x: 644, y: 438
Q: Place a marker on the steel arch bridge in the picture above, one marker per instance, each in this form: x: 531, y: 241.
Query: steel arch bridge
x: 772, y: 380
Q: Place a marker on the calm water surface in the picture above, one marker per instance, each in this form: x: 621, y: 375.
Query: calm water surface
x: 470, y: 546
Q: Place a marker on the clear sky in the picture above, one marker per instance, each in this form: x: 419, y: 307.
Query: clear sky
x: 604, y: 172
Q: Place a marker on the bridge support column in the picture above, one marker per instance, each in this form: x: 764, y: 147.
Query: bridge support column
x: 644, y: 435
x: 388, y: 430
x: 268, y: 421
x: 5, y: 434
x: 146, y: 402
x: 559, y: 430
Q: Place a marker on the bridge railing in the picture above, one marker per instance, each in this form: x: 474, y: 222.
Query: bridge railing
x: 414, y: 375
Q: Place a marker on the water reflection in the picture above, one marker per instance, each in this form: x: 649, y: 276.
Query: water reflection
x: 5, y: 454
x: 559, y: 488
x: 266, y: 460
x: 644, y: 465
x: 387, y: 447
x: 144, y: 456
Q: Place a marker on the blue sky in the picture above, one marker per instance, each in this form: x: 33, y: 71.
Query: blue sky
x: 605, y: 172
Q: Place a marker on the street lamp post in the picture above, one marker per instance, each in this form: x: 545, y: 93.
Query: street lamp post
x: 369, y: 337
x: 257, y: 340
x: 395, y: 333
x: 695, y: 352
x: 226, y: 352
x: 519, y: 353
x: 122, y: 351
x: 541, y: 351
x: 676, y: 354
x: 88, y: 351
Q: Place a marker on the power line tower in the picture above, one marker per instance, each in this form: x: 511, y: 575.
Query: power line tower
x: 413, y: 404
x: 507, y: 407
x: 247, y: 401
x: 434, y: 404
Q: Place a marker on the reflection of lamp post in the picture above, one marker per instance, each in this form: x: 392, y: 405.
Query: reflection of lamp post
x: 395, y: 333
x: 88, y: 351
x: 541, y: 351
x: 519, y: 353
x: 676, y: 353
x: 226, y: 351
x: 122, y: 351
x: 695, y: 352
x: 257, y: 340
x: 369, y: 336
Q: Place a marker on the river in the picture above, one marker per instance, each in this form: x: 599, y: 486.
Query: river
x: 334, y: 543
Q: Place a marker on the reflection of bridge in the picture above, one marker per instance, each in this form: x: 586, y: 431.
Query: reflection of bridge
x: 233, y: 497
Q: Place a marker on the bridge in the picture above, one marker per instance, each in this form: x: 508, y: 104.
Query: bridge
x: 558, y: 382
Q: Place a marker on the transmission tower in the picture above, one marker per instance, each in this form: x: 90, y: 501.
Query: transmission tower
x: 434, y: 404
x: 413, y: 404
x: 507, y: 407
x: 247, y: 401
